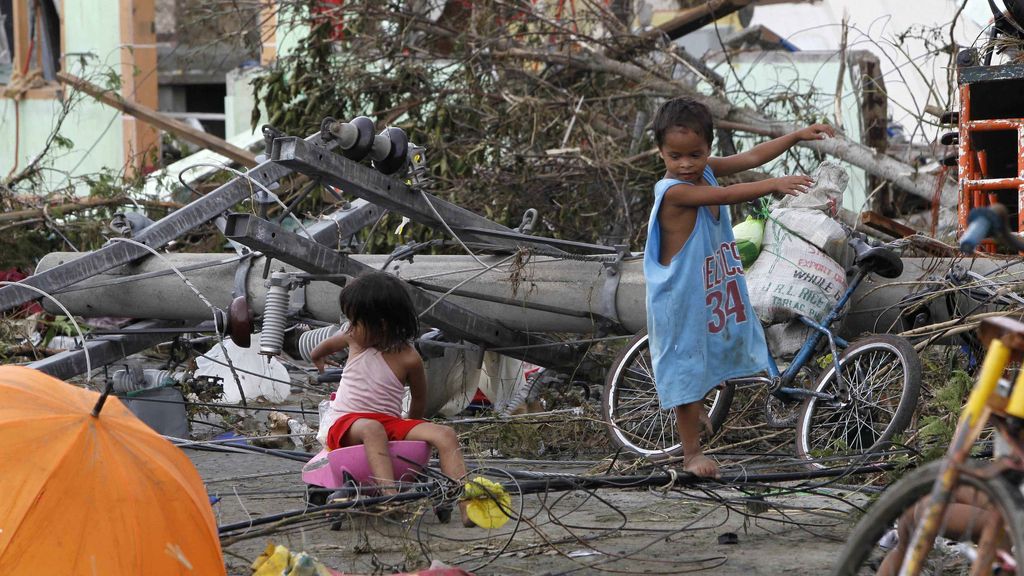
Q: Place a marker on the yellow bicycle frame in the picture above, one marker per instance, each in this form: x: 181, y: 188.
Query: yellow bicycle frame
x: 972, y: 419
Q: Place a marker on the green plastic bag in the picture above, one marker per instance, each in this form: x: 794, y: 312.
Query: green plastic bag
x: 749, y: 234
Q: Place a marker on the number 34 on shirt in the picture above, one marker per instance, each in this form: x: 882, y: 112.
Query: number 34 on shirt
x: 722, y: 270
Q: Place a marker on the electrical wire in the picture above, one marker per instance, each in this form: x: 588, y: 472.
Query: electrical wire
x: 213, y: 309
x: 81, y: 335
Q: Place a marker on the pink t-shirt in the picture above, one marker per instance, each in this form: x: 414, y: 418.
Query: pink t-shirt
x: 367, y: 385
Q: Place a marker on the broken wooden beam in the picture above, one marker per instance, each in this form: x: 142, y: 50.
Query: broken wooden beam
x: 56, y: 209
x: 886, y: 224
x: 161, y: 121
x: 694, y: 18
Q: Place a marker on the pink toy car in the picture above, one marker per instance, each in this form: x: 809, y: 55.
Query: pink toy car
x: 333, y: 469
x: 348, y: 468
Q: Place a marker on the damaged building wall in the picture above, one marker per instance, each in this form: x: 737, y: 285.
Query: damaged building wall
x: 100, y: 137
x: 780, y: 82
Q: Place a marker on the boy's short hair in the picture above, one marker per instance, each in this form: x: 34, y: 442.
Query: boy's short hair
x: 683, y: 113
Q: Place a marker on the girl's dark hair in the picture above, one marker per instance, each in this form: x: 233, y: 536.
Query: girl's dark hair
x: 683, y: 113
x: 379, y: 303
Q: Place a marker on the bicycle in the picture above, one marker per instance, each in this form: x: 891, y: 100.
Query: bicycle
x: 848, y: 409
x: 986, y: 526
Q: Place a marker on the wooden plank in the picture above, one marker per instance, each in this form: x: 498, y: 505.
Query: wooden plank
x: 887, y: 225
x: 693, y: 18
x: 59, y: 208
x: 268, y: 33
x: 19, y: 57
x: 146, y: 114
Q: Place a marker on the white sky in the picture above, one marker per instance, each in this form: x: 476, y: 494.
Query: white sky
x: 912, y: 77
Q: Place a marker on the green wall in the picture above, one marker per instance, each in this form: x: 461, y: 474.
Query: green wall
x: 96, y: 131
x: 810, y: 75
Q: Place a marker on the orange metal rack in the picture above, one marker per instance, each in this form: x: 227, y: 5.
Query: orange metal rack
x: 990, y: 140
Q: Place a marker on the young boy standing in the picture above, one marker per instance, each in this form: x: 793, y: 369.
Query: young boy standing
x: 701, y: 326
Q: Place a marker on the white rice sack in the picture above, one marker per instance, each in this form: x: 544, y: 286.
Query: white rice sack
x: 793, y: 278
x: 826, y: 195
x: 816, y: 227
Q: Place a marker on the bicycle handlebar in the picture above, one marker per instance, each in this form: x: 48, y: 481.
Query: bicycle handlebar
x: 858, y: 244
x: 976, y: 232
x: 989, y: 222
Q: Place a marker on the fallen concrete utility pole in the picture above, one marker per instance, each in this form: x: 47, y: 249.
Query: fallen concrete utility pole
x: 563, y: 297
x: 556, y: 295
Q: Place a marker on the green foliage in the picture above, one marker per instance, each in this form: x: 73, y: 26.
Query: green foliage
x: 58, y: 326
x: 63, y: 142
x: 951, y: 397
x: 109, y: 183
x: 501, y: 135
x: 110, y: 79
x: 74, y: 230
x: 936, y: 428
x: 24, y: 249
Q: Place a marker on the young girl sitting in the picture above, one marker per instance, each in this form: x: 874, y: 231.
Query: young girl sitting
x: 367, y: 408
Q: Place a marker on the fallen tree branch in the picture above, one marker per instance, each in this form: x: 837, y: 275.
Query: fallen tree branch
x: 154, y: 118
x: 55, y: 209
x: 901, y: 175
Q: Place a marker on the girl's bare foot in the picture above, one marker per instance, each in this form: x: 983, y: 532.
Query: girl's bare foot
x: 701, y: 465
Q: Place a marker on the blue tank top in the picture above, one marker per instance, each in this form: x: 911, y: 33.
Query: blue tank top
x: 701, y: 325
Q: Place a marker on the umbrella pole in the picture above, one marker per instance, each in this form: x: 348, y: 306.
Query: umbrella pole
x: 103, y: 398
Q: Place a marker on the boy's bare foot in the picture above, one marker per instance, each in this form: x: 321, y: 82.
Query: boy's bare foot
x: 705, y: 422
x: 701, y: 465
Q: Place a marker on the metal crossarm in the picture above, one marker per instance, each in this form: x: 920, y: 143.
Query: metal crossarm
x: 274, y: 241
x: 106, y: 349
x: 160, y: 233
x: 392, y: 194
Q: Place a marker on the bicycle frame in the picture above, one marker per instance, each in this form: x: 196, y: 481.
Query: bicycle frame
x: 983, y: 403
x: 783, y: 379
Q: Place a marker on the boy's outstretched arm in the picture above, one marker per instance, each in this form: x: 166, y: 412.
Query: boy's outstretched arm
x: 332, y: 345
x: 688, y: 195
x: 767, y: 151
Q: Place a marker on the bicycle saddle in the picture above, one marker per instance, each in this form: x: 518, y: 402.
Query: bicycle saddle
x: 881, y: 261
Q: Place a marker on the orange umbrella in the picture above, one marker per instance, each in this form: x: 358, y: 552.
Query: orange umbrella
x: 84, y: 494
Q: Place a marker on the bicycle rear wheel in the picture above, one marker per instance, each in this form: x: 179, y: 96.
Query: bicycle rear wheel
x: 995, y: 505
x: 883, y: 375
x: 631, y: 412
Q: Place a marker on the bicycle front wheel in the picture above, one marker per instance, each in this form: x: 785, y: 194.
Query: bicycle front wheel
x: 631, y: 412
x: 883, y: 376
x: 983, y: 526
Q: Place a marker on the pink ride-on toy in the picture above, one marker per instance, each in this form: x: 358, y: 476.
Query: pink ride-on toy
x: 333, y: 469
x: 340, y: 472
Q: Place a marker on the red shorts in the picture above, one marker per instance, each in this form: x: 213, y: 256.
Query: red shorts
x: 396, y: 428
